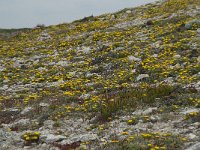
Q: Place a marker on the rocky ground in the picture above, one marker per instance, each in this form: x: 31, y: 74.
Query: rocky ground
x: 127, y: 80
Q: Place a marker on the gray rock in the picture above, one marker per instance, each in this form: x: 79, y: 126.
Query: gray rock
x: 190, y: 110
x: 189, y: 24
x: 63, y: 63
x: 198, y: 30
x: 86, y: 49
x: 149, y: 110
x: 5, y: 87
x: 177, y: 66
x: 133, y: 58
x: 50, y: 138
x: 2, y: 68
x: 142, y: 76
x: 112, y: 17
x: 14, y: 110
x: 44, y: 104
x: 194, y: 85
x: 119, y: 48
x: 177, y: 56
x: 130, y: 23
x: 128, y: 11
x: 192, y: 12
x: 145, y: 112
x: 26, y: 110
x: 169, y: 80
x: 192, y: 136
x: 155, y: 55
x: 156, y: 44
x: 48, y: 124
x: 84, y: 137
x: 198, y: 59
x: 44, y: 36
x: 21, y: 123
x: 194, y: 147
x: 85, y: 96
x: 154, y: 118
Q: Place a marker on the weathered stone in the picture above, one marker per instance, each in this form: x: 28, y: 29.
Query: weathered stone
x: 177, y: 56
x: 84, y: 137
x: 198, y: 59
x: 142, y: 76
x: 128, y: 11
x: 86, y: 49
x: 192, y: 136
x: 50, y: 138
x: 63, y: 63
x: 190, y: 110
x: 26, y: 110
x: 194, y: 147
x: 44, y: 104
x: 133, y: 58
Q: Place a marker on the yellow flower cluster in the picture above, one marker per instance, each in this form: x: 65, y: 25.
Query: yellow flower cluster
x: 31, y: 136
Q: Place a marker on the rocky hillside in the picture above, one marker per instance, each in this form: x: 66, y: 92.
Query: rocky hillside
x: 128, y: 80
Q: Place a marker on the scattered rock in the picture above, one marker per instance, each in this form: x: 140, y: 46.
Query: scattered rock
x: 26, y: 110
x: 150, y: 110
x: 192, y: 136
x: 190, y: 24
x: 142, y: 76
x: 194, y: 147
x: 86, y: 49
x: 63, y: 63
x: 177, y: 56
x: 145, y: 112
x: 169, y: 80
x: 190, y: 110
x: 84, y: 137
x: 133, y: 58
x: 50, y: 138
x: 44, y: 104
x: 128, y: 11
x: 44, y: 36
x: 198, y: 59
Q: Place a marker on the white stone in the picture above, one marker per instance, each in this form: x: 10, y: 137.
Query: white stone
x: 63, y: 63
x: 169, y: 80
x: 26, y: 110
x: 54, y: 138
x: 84, y: 137
x: 190, y: 110
x: 142, y: 76
x: 149, y: 110
x: 133, y: 58
x: 155, y: 55
x: 192, y: 136
x: 86, y: 49
x: 44, y: 104
x: 177, y: 66
x: 194, y: 147
x: 198, y: 30
x: 177, y: 56
x: 198, y: 59
x: 128, y: 11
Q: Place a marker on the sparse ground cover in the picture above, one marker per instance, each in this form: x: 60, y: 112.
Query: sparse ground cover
x: 116, y: 81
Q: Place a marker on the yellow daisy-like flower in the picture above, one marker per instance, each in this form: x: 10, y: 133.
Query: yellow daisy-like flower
x: 27, y: 138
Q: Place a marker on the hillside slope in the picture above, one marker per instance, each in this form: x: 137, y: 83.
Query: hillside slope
x: 127, y: 80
